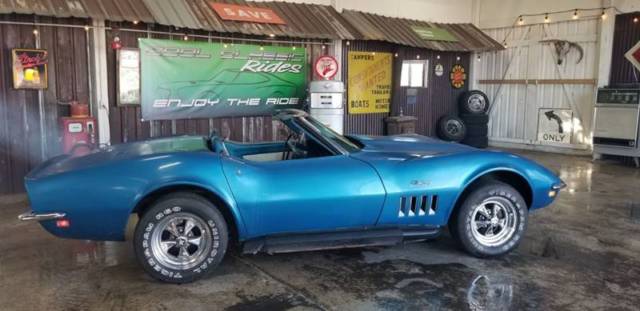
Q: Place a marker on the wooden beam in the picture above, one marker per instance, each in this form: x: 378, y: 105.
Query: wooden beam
x: 539, y: 81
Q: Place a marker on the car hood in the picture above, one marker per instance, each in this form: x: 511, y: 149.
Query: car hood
x: 111, y: 154
x: 406, y: 147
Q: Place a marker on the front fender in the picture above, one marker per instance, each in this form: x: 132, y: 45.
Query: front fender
x: 447, y: 176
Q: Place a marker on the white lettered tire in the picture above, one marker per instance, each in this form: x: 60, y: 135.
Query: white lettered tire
x: 491, y: 221
x: 180, y: 238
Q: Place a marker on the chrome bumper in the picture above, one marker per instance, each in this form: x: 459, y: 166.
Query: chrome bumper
x: 40, y: 217
x: 559, y: 186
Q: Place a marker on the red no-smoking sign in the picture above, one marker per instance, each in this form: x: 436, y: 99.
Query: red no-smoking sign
x: 633, y: 55
x: 326, y: 67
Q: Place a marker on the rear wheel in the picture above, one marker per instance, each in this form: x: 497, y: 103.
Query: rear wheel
x: 491, y: 221
x: 181, y: 238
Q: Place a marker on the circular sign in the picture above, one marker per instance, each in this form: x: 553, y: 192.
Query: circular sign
x: 326, y: 67
x: 439, y: 70
x: 458, y: 76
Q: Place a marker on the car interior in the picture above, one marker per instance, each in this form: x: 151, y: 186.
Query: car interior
x: 297, y: 145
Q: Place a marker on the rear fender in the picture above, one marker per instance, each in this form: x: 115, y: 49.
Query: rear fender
x: 222, y: 195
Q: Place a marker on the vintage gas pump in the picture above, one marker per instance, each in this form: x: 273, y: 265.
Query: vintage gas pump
x: 78, y: 131
x: 327, y: 103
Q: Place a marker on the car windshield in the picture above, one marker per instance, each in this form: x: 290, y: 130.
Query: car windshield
x: 332, y: 136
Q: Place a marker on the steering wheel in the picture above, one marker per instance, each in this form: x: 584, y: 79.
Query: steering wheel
x: 291, y: 146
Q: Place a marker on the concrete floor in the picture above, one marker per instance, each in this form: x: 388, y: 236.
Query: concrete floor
x: 581, y: 253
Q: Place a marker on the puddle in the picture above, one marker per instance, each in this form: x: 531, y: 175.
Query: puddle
x: 400, y: 284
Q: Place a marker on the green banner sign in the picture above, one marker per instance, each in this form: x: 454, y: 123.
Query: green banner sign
x: 434, y: 34
x: 185, y: 80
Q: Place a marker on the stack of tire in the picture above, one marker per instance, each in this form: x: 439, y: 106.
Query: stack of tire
x: 473, y: 107
x: 471, y: 127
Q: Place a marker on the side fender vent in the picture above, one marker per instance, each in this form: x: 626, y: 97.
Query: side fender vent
x: 418, y: 206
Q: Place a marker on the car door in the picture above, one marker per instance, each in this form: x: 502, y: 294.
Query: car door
x: 311, y: 194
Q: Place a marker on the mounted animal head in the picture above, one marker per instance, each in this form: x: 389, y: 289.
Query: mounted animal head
x: 563, y: 47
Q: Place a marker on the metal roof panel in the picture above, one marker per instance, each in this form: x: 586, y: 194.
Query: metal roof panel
x: 399, y: 31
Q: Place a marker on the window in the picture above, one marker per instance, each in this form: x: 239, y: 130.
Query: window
x: 414, y: 73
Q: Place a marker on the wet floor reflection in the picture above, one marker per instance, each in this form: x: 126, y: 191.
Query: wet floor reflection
x: 486, y: 293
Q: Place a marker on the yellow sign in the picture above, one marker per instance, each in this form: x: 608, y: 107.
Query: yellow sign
x: 369, y: 80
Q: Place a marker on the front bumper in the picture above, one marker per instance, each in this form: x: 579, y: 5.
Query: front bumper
x: 559, y: 186
x: 555, y: 189
x: 28, y: 216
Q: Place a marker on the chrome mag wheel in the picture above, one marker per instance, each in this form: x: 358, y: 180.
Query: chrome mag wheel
x: 494, y: 221
x: 181, y: 241
x: 454, y: 127
x: 477, y: 103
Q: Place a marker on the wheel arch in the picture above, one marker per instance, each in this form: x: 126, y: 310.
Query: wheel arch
x: 230, y: 214
x: 504, y: 175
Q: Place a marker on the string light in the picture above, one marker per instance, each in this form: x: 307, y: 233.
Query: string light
x: 261, y: 48
x: 323, y: 47
x: 348, y: 43
x: 437, y: 56
x: 635, y: 19
x: 478, y: 58
x: 373, y: 53
x: 293, y: 47
x: 604, y: 14
x: 185, y: 38
x: 86, y: 28
x: 575, y: 14
x: 458, y: 58
x: 418, y: 56
x: 395, y: 55
x: 35, y: 32
x: 225, y: 45
x: 520, y: 20
x: 136, y: 22
x: 546, y: 17
x: 272, y: 35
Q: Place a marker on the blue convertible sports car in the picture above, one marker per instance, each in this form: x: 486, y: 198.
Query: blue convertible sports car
x: 316, y: 190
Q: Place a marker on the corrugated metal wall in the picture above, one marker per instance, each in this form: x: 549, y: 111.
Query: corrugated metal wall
x: 514, y: 117
x: 434, y: 101
x: 627, y: 34
x: 20, y: 131
x: 125, y: 121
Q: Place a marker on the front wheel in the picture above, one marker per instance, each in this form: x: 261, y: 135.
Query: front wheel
x: 491, y: 221
x: 181, y: 238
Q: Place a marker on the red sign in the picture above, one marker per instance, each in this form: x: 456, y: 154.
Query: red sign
x: 633, y: 55
x: 326, y: 67
x: 241, y: 13
x: 457, y: 76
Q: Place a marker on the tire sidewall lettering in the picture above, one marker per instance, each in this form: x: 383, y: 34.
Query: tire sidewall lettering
x: 520, y: 227
x: 178, y: 274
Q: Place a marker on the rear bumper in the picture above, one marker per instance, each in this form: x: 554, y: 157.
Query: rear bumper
x: 29, y: 216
